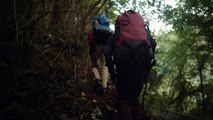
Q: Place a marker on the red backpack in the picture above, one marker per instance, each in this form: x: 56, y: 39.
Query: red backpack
x: 131, y: 27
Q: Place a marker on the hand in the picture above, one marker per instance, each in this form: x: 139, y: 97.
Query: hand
x: 154, y: 62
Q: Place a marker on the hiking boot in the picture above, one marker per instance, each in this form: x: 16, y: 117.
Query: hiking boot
x: 99, y: 89
x: 97, y: 83
x: 103, y: 91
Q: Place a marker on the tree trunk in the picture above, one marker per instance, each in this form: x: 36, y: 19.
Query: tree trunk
x: 56, y: 15
x: 202, y: 88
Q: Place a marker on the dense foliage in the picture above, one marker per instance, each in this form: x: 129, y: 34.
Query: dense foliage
x: 186, y: 62
x: 45, y: 69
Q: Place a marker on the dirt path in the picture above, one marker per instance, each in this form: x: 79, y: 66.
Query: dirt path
x: 100, y: 107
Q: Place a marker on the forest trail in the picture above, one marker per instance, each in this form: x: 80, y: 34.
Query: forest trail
x: 99, y: 107
x: 44, y: 59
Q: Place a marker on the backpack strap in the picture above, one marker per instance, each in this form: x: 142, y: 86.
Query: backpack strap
x: 134, y: 48
x: 90, y: 37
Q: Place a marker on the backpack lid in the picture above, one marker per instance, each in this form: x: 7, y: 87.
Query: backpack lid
x: 101, y: 22
x: 131, y: 27
x: 102, y: 19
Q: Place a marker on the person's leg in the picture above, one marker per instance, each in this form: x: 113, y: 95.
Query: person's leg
x: 140, y: 76
x: 100, y: 70
x: 136, y: 110
x: 102, y: 67
x: 124, y: 110
x: 96, y: 73
x: 129, y: 85
x: 124, y: 88
x: 94, y: 55
x: 123, y: 59
x: 104, y: 71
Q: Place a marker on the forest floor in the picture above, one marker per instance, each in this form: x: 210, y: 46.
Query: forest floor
x: 100, y: 106
x: 67, y: 100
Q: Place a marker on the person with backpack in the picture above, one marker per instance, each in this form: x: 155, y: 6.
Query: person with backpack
x: 129, y: 56
x: 97, y: 39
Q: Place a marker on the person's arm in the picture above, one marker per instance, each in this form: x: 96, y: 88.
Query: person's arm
x: 109, y: 51
x: 109, y: 55
x: 92, y: 47
x: 150, y: 38
x: 153, y: 45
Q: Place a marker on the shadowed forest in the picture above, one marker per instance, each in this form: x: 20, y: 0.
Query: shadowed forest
x: 45, y: 69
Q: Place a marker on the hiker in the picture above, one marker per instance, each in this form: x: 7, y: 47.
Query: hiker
x: 97, y: 38
x: 129, y: 56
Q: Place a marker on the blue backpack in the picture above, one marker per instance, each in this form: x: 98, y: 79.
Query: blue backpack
x: 101, y: 29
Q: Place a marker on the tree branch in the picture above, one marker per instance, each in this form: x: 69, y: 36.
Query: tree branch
x: 15, y: 14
